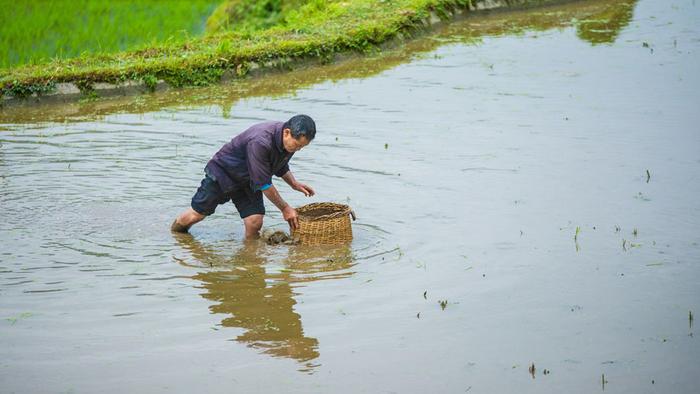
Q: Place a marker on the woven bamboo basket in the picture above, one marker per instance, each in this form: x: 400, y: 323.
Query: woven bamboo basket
x: 324, y: 223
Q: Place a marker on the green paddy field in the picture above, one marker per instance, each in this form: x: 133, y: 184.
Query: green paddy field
x: 36, y: 31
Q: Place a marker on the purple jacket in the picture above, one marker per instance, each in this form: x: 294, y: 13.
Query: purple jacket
x: 251, y: 158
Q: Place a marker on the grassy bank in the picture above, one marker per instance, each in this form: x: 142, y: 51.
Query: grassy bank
x: 242, y: 36
x: 33, y: 32
x: 317, y: 29
x: 579, y: 15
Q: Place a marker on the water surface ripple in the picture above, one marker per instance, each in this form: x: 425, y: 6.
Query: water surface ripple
x: 526, y: 190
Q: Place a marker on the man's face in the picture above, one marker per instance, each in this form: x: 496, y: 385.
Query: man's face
x: 292, y: 144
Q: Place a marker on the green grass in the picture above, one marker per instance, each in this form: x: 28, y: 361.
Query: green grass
x: 35, y: 31
x: 247, y: 15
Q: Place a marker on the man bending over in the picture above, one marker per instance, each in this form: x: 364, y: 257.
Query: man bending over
x: 241, y: 171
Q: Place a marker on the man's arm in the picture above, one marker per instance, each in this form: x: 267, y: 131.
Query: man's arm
x: 298, y: 186
x: 258, y: 163
x: 288, y: 213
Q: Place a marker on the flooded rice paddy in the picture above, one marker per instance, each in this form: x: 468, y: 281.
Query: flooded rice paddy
x: 526, y: 186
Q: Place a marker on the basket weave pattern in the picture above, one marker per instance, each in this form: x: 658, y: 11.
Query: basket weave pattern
x: 323, y: 223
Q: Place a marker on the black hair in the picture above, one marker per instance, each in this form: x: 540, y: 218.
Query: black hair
x: 301, y: 125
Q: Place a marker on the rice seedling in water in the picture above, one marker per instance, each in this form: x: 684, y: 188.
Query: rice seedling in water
x: 15, y: 319
x: 690, y: 319
x: 642, y: 197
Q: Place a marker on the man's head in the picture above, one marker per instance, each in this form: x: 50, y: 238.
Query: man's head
x: 298, y: 132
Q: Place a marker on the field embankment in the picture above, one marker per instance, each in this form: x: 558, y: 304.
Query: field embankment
x: 242, y: 35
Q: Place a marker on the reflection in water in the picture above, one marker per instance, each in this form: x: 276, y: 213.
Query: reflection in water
x: 605, y: 26
x: 599, y: 21
x: 260, y: 299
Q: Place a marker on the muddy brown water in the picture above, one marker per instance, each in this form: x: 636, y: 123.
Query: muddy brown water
x: 498, y: 169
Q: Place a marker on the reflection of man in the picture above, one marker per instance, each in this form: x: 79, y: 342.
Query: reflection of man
x: 241, y: 171
x: 260, y: 303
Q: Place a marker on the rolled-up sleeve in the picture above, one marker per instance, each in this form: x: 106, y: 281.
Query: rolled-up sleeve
x: 259, y: 166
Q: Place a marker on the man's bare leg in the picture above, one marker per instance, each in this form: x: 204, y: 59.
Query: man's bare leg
x: 186, y: 219
x: 253, y: 224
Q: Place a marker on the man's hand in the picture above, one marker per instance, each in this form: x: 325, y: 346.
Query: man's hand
x: 306, y: 189
x: 298, y: 186
x: 290, y: 215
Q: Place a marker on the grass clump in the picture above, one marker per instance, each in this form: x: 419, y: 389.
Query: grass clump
x: 242, y: 34
x: 251, y: 16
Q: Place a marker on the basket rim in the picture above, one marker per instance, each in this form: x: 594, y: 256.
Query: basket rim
x: 340, y: 211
